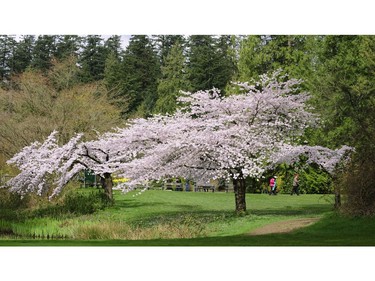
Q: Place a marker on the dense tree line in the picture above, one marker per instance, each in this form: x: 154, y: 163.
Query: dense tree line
x: 151, y: 68
x: 146, y: 77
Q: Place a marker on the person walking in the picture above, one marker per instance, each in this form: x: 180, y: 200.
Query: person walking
x: 295, y: 188
x: 273, y: 185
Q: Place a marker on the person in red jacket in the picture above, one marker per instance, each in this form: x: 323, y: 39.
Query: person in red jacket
x: 273, y: 185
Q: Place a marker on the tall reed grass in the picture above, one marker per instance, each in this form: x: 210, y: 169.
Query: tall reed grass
x: 86, y: 230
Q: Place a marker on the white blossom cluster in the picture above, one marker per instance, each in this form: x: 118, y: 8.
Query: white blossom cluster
x: 212, y: 136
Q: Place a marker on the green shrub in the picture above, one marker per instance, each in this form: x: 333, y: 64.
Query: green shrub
x: 73, y: 201
x: 315, y: 181
x: 9, y: 200
x: 85, y: 203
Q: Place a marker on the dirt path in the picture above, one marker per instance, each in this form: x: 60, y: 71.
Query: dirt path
x: 283, y: 226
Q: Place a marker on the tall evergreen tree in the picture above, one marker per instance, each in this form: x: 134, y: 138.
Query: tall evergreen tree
x: 23, y: 53
x: 113, y: 81
x: 227, y: 59
x: 92, y: 59
x: 141, y: 71
x: 113, y: 45
x: 7, y: 47
x: 44, y: 50
x: 252, y: 60
x: 112, y: 71
x: 344, y: 93
x: 174, y: 79
x: 164, y: 44
x: 201, y: 62
x: 67, y: 45
x: 291, y: 53
x: 208, y: 62
x: 344, y: 89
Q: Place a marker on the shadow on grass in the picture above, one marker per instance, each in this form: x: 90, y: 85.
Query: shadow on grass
x: 314, y: 209
x: 332, y: 230
x: 121, y: 205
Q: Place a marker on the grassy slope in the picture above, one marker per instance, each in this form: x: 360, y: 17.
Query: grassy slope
x: 225, y: 228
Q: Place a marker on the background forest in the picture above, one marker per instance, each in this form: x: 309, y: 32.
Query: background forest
x: 91, y: 84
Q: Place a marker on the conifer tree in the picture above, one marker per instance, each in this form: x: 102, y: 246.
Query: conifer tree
x: 141, y: 70
x: 113, y: 46
x: 209, y: 64
x: 92, y: 59
x: 174, y: 79
x: 23, y: 53
x: 261, y: 54
x: 44, y: 50
x: 67, y: 45
x: 164, y: 44
x: 7, y: 46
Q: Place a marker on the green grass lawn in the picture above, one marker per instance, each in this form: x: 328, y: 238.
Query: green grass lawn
x: 160, y: 218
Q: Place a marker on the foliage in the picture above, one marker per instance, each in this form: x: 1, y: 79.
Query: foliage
x: 39, y: 104
x: 212, y: 137
x: 10, y: 200
x: 85, y: 203
x: 344, y: 83
x: 64, y: 74
x: 140, y: 71
x: 344, y: 96
x: 23, y: 210
x: 315, y: 181
x: 165, y: 43
x: 210, y: 62
x: 92, y: 59
x: 43, y: 52
x: 23, y: 54
x: 295, y: 54
x: 7, y: 44
x: 337, y: 70
x: 174, y: 79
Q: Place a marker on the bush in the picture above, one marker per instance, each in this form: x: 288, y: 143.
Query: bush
x: 10, y: 200
x: 315, y: 181
x: 85, y: 203
x: 357, y: 185
x: 312, y: 179
x: 74, y: 201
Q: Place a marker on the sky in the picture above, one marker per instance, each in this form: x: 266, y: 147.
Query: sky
x: 124, y: 40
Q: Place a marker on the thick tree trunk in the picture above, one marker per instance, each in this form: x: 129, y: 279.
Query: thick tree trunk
x: 240, y: 195
x: 337, y: 199
x: 107, y: 184
x: 337, y: 193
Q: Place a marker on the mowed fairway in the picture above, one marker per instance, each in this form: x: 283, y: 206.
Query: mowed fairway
x: 157, y: 218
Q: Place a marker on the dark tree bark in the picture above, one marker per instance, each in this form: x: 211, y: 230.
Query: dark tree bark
x: 107, y: 185
x: 337, y: 198
x: 240, y: 194
x: 337, y: 192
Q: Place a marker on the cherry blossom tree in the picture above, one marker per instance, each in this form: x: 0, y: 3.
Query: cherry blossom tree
x: 46, y: 168
x: 210, y: 137
x: 234, y: 137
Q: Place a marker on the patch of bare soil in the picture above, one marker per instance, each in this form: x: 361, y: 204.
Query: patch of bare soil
x: 284, y: 226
